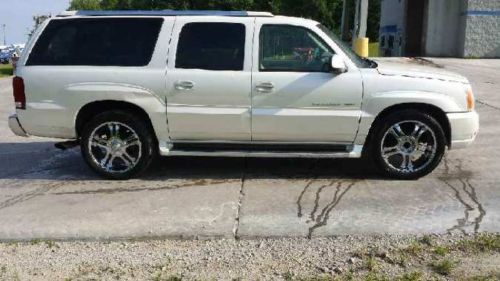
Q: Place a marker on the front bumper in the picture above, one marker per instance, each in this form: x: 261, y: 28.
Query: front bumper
x: 16, y: 127
x: 464, y: 128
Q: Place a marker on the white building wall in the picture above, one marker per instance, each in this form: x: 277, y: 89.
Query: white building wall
x: 482, y: 30
x: 444, y: 33
x: 453, y: 28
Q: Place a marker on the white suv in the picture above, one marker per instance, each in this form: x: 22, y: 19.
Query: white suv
x: 131, y: 85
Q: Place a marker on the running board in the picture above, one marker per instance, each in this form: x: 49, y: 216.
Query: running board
x: 274, y: 151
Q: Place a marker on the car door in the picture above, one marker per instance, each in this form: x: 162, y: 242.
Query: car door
x: 209, y: 79
x: 295, y: 95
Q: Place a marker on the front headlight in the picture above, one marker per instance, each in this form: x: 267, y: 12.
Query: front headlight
x: 469, y: 96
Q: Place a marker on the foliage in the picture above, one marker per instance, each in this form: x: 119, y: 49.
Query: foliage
x: 328, y: 12
x: 5, y: 70
x: 373, y: 24
x: 373, y: 50
x: 85, y: 5
x: 38, y: 20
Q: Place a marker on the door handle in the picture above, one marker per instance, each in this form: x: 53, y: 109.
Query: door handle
x: 265, y: 87
x: 184, y: 85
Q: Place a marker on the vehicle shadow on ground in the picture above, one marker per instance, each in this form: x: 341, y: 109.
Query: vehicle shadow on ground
x: 40, y: 160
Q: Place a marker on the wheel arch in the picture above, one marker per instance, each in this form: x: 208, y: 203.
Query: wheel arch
x: 434, y: 111
x: 91, y: 109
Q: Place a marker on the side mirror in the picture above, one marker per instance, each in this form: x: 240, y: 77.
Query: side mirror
x: 338, y: 64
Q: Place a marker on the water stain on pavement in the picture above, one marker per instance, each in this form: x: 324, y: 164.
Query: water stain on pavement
x: 459, y: 181
x: 316, y: 217
x: 324, y: 216
x: 25, y: 196
x: 149, y: 187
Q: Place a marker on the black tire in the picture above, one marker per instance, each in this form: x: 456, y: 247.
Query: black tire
x: 148, y: 147
x: 382, y: 128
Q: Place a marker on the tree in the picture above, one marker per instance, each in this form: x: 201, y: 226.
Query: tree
x: 373, y: 20
x: 85, y: 5
x: 328, y: 12
x: 38, y: 20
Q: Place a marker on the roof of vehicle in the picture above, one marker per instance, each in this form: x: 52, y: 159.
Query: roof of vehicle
x: 165, y: 13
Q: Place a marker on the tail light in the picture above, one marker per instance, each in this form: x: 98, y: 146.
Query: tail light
x: 19, y: 96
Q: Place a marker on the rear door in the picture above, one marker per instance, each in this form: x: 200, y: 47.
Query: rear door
x: 209, y: 79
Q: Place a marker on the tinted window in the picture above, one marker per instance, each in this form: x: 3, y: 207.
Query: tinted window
x: 102, y: 42
x: 211, y: 46
x: 292, y: 48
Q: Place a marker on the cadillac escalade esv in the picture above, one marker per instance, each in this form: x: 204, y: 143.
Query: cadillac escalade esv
x: 130, y: 85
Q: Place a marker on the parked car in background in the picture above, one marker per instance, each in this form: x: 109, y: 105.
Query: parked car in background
x: 5, y: 56
x: 131, y: 85
x: 10, y: 54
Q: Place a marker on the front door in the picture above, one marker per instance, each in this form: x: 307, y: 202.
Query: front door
x: 295, y: 95
x: 209, y: 79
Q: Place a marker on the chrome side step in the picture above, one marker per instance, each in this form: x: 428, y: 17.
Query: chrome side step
x: 349, y: 152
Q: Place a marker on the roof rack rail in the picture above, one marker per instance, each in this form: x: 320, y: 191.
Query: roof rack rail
x: 165, y: 13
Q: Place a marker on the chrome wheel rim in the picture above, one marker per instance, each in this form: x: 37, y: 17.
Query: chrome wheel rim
x: 409, y: 146
x: 115, y: 147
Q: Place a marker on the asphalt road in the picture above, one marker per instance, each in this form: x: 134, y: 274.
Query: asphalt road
x: 51, y: 194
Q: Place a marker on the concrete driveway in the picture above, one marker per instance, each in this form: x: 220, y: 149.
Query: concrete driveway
x: 51, y: 194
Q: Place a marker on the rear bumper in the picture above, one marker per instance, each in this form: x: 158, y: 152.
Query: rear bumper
x: 464, y: 128
x: 16, y: 127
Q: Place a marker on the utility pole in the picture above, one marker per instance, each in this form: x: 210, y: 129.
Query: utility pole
x: 361, y: 19
x: 359, y: 40
x: 4, y: 36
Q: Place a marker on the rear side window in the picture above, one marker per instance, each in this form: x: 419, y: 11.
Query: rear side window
x: 211, y: 46
x: 97, y: 42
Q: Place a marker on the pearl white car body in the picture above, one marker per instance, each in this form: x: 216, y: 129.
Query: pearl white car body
x: 247, y: 107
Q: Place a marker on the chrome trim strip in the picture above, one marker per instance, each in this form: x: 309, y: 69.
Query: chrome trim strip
x: 354, y: 153
x: 260, y: 142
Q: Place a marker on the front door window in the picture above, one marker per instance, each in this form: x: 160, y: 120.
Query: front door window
x: 287, y: 48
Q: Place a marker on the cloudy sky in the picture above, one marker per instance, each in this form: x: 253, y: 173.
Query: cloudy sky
x: 17, y: 16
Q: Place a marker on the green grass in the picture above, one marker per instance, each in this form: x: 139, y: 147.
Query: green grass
x: 441, y: 251
x: 443, y: 267
x: 411, y: 276
x: 427, y: 240
x: 5, y: 70
x: 371, y: 264
x: 373, y: 50
x: 481, y: 243
x: 414, y: 249
x: 489, y: 277
x: 35, y: 241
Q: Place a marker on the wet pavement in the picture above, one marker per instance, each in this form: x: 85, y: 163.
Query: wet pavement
x: 51, y: 194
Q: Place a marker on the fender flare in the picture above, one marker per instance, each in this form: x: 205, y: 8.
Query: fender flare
x: 379, y: 103
x: 149, y: 102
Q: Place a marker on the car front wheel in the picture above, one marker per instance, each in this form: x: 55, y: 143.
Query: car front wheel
x: 409, y: 145
x: 117, y: 145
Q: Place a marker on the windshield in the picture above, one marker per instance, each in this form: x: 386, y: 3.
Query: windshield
x: 359, y: 61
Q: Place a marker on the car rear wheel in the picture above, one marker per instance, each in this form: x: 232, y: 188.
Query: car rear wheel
x: 408, y: 145
x: 117, y: 145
